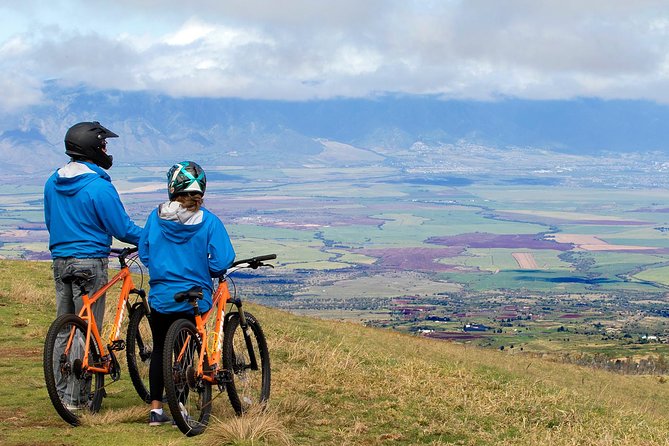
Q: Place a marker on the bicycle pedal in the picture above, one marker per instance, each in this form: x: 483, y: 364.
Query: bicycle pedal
x: 114, y: 367
x: 117, y: 345
x: 224, y: 377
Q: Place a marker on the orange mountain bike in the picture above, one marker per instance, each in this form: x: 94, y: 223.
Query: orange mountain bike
x: 75, y: 358
x: 231, y: 355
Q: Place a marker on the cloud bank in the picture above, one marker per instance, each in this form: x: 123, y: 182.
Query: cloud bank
x: 304, y: 49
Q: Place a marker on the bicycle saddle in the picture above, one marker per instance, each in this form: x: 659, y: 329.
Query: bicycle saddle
x: 191, y: 295
x: 72, y: 274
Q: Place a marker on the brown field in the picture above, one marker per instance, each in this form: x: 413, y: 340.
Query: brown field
x: 525, y: 260
x: 593, y: 243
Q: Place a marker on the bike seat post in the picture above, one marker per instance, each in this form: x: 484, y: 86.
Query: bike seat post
x: 196, y: 308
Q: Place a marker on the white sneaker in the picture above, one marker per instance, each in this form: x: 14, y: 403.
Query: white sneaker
x: 72, y: 407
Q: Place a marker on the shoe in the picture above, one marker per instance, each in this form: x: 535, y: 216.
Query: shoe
x: 157, y: 419
x: 72, y: 407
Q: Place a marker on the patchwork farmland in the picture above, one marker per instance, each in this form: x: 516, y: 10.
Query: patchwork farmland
x: 535, y: 265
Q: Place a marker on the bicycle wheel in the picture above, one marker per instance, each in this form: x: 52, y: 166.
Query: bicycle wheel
x: 139, y: 346
x: 188, y: 396
x: 72, y: 390
x: 245, y: 354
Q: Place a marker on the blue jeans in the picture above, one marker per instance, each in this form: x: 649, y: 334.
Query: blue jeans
x: 68, y: 295
x: 74, y: 391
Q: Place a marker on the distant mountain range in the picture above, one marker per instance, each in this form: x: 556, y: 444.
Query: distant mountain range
x: 156, y: 127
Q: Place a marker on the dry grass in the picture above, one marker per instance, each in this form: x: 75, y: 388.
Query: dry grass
x: 365, y: 386
x: 27, y: 293
x: 136, y: 414
x: 254, y: 428
x: 344, y: 384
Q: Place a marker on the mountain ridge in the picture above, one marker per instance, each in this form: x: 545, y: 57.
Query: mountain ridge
x: 154, y: 126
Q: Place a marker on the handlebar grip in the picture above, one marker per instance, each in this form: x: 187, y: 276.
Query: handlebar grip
x: 255, y: 260
x: 265, y: 257
x: 125, y: 251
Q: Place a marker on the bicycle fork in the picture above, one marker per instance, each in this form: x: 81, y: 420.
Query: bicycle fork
x: 246, y: 330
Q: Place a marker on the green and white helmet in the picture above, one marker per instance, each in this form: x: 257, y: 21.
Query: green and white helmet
x: 184, y: 178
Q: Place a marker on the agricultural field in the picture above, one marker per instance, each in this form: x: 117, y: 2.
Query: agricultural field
x: 551, y: 267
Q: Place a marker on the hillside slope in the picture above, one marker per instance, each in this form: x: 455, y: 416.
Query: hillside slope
x: 339, y: 383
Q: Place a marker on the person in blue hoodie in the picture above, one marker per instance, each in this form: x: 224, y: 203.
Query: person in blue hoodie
x: 183, y: 245
x: 83, y: 211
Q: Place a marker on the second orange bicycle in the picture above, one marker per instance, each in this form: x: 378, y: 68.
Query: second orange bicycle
x: 232, y: 356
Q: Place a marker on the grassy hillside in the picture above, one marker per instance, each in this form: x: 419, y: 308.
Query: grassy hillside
x: 342, y: 384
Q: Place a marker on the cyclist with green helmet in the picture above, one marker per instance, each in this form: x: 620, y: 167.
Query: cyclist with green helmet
x: 183, y: 246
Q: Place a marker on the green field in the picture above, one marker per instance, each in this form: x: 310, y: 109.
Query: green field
x: 352, y: 241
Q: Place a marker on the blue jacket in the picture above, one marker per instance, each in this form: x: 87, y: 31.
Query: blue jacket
x: 82, y: 211
x: 180, y: 256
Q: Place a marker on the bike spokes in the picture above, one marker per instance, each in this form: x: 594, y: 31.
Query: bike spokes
x: 72, y: 388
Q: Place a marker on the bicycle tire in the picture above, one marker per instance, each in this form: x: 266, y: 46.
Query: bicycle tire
x: 139, y: 346
x: 71, y: 390
x: 247, y: 388
x: 188, y: 397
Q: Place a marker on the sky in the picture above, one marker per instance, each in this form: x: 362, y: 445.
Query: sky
x: 313, y: 49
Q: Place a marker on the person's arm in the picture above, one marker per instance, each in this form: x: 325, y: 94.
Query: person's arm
x: 113, y: 216
x: 143, y: 245
x: 47, y: 213
x: 220, y: 250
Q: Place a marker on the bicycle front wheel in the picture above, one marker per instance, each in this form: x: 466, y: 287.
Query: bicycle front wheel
x: 246, y: 358
x: 72, y: 389
x: 139, y: 346
x: 188, y: 396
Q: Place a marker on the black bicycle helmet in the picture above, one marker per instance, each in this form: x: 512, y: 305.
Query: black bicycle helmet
x: 87, y: 141
x: 186, y: 177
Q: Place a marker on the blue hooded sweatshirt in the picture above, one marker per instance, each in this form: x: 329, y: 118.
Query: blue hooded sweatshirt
x: 82, y: 211
x: 180, y: 256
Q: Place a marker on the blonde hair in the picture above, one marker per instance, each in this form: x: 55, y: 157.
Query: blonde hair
x: 190, y: 202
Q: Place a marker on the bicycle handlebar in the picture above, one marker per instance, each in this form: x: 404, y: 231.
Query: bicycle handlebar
x: 255, y: 262
x: 123, y: 253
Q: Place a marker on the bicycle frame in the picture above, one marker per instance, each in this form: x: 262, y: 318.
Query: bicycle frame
x: 92, y: 330
x: 212, y: 350
x: 220, y: 298
x: 208, y: 350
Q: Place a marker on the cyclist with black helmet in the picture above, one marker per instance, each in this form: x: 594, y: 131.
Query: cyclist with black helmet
x: 183, y: 245
x: 83, y: 211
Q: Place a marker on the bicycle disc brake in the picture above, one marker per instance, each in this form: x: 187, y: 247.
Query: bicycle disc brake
x: 191, y: 377
x: 77, y: 368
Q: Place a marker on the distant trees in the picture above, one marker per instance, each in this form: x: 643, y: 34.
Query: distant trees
x: 581, y: 261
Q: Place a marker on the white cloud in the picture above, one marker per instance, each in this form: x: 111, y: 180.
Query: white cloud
x: 190, y: 32
x: 301, y: 49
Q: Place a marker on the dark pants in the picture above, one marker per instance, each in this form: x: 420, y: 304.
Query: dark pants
x: 160, y: 323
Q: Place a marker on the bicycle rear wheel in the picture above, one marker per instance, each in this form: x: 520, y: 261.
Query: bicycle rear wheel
x: 72, y: 390
x: 188, y: 396
x: 139, y: 346
x: 246, y: 356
